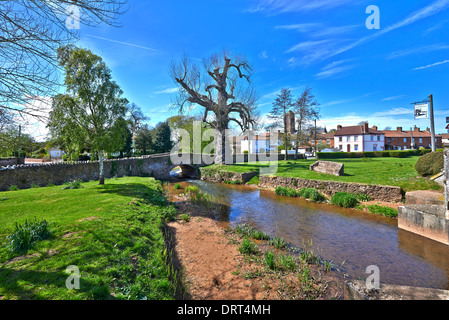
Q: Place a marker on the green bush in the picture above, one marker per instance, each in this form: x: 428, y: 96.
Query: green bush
x: 177, y: 186
x: 385, y: 211
x: 344, y: 199
x: 430, y: 164
x: 247, y: 247
x: 311, y: 194
x: 13, y: 188
x: 26, y: 235
x: 76, y: 184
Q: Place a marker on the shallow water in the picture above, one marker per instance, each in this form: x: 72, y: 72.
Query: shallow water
x: 340, y: 235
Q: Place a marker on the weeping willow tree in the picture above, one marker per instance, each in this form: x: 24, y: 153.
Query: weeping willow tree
x: 222, y: 88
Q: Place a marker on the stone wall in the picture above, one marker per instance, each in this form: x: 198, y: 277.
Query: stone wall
x: 424, y: 213
x: 10, y: 161
x: 214, y: 175
x: 24, y: 176
x: 379, y: 193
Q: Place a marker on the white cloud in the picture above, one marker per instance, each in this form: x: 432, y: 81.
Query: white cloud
x: 263, y: 54
x: 169, y: 90
x: 432, y: 65
x: 334, y: 68
x: 325, y: 49
x: 393, y: 98
x: 417, y: 50
x: 124, y: 43
x: 35, y: 116
x: 284, y: 6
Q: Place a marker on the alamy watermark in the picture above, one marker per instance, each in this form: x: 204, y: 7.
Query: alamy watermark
x: 373, y: 21
x: 260, y: 148
x: 73, y: 280
x: 373, y: 281
x: 73, y: 13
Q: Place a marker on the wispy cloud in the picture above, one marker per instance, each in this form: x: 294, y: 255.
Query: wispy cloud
x: 325, y: 49
x: 430, y: 10
x: 393, y: 112
x: 169, y: 90
x: 334, y: 68
x: 417, y: 50
x: 123, y: 43
x: 393, y: 98
x: 284, y: 6
x: 318, y: 29
x: 432, y: 65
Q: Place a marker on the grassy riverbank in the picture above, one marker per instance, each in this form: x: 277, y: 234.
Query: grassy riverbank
x: 113, y: 233
x: 376, y: 171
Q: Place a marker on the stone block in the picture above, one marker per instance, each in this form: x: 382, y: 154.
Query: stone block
x: 328, y: 167
x: 356, y: 290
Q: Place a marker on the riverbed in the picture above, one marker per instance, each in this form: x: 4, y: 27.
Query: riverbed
x: 351, y: 239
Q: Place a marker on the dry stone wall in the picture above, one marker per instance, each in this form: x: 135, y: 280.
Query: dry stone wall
x: 379, y: 193
x: 24, y: 176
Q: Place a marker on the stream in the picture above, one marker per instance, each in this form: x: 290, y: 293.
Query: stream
x: 351, y: 239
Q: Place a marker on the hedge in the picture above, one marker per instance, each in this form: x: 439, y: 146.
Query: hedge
x: 373, y: 154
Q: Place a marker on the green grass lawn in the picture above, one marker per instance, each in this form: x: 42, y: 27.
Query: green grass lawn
x: 378, y: 171
x: 112, y: 233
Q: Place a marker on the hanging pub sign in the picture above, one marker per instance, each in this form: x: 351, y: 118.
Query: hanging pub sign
x: 422, y: 111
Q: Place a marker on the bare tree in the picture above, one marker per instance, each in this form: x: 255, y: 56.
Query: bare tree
x: 306, y: 110
x: 30, y: 33
x: 281, y: 106
x: 222, y: 87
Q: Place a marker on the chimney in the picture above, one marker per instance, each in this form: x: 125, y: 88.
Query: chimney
x: 416, y: 129
x: 365, y: 127
x: 339, y: 127
x: 428, y: 130
x: 399, y: 129
x: 375, y: 128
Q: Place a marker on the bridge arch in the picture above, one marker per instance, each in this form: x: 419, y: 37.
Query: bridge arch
x: 185, y: 171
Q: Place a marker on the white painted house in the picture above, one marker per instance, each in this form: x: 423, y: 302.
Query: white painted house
x: 359, y: 138
x: 55, y: 153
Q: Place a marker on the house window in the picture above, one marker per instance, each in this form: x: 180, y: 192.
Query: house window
x: 388, y: 140
x: 356, y: 147
x: 420, y: 140
x: 328, y: 141
x: 378, y: 138
x: 341, y: 147
x: 405, y: 140
x: 356, y: 138
x: 375, y: 147
x: 349, y: 139
x: 340, y: 139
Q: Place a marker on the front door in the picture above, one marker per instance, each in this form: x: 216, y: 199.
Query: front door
x: 349, y: 148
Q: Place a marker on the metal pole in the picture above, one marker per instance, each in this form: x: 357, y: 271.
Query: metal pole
x: 432, y: 123
x: 20, y: 142
x: 315, y: 138
x: 411, y: 143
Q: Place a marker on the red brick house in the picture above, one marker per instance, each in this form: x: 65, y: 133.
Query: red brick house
x: 402, y: 139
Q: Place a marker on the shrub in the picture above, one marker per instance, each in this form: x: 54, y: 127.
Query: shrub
x: 13, y: 188
x: 26, y: 235
x: 270, y: 260
x: 344, y: 199
x: 191, y: 190
x: 311, y: 194
x: 177, y: 186
x: 247, y: 247
x: 430, y: 164
x: 385, y: 211
x: 363, y: 197
x: 76, y: 184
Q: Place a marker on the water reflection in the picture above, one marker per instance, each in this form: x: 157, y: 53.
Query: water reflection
x: 356, y: 238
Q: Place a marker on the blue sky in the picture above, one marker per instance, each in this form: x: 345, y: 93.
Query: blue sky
x: 355, y: 73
